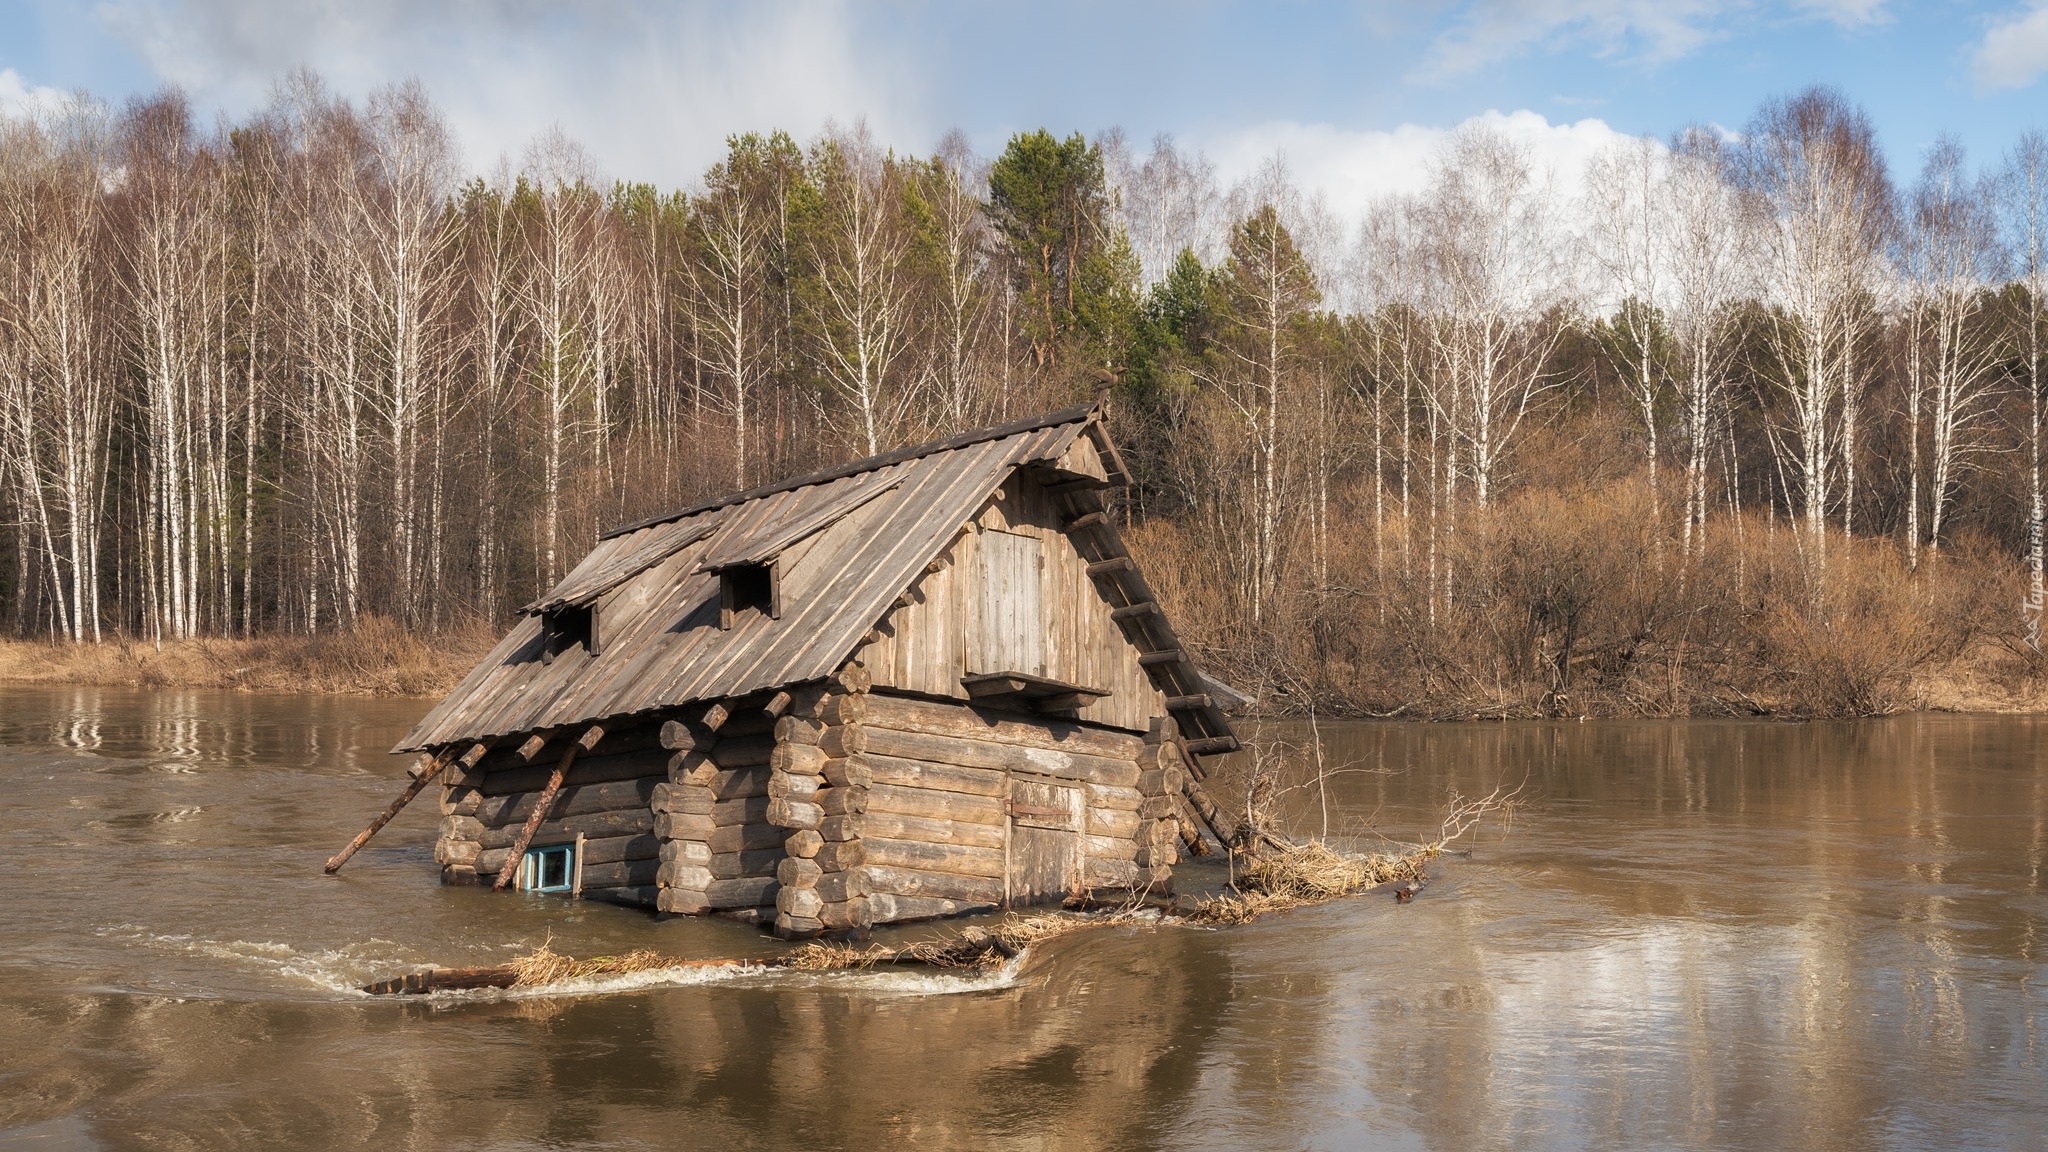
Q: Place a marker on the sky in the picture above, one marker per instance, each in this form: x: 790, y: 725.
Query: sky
x: 1354, y: 97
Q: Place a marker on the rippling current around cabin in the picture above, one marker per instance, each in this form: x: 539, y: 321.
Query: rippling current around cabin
x: 1697, y: 934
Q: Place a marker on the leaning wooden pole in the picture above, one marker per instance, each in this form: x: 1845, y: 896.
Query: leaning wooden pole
x: 425, y: 773
x: 540, y: 807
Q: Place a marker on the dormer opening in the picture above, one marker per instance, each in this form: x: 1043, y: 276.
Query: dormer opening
x: 747, y: 587
x: 568, y: 627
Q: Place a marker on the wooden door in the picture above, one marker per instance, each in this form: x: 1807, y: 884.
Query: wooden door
x: 1044, y: 846
x: 1009, y: 626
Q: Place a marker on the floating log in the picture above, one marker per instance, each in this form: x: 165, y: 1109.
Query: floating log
x: 1197, y: 700
x: 1168, y: 656
x: 1139, y: 611
x: 1213, y: 745
x: 1110, y: 566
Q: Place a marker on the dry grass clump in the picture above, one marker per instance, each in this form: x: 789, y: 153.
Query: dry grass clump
x: 1310, y: 873
x: 379, y: 657
x: 544, y: 965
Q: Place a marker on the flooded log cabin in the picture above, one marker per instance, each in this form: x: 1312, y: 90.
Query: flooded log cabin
x: 926, y: 683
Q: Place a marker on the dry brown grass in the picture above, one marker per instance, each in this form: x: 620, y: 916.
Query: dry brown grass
x: 377, y: 658
x: 1573, y: 601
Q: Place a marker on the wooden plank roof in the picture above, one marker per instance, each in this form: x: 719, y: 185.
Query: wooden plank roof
x: 848, y: 540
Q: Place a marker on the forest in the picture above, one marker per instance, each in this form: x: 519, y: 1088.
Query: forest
x: 1744, y: 422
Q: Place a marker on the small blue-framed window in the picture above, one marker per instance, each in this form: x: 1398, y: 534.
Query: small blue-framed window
x: 549, y: 869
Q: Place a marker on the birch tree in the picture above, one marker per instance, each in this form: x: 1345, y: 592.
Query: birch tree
x: 56, y: 387
x: 1707, y: 262
x: 2023, y: 213
x: 1818, y: 199
x: 860, y: 301
x: 1494, y: 271
x: 1953, y: 355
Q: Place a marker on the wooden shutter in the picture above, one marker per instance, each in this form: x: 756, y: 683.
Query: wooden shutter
x: 1009, y: 628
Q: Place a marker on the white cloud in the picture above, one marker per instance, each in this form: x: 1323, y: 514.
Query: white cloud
x: 651, y: 89
x: 2014, y: 51
x: 18, y: 97
x: 1646, y: 32
x: 1352, y: 168
x: 1650, y: 30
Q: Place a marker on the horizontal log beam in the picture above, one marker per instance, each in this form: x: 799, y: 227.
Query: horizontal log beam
x: 895, y: 881
x: 624, y: 823
x: 594, y: 769
x: 890, y: 826
x: 1086, y: 520
x: 1154, y: 659
x: 932, y: 804
x: 971, y: 753
x: 1110, y: 567
x: 574, y: 800
x: 909, y: 714
x: 951, y: 859
x: 890, y: 908
x: 904, y: 772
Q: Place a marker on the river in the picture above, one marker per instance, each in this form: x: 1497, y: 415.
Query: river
x: 1705, y: 934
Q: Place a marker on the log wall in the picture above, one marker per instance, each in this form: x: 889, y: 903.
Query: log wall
x: 940, y: 837
x: 835, y: 808
x: 605, y: 797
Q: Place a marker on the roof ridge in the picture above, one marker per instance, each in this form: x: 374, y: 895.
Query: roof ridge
x: 867, y: 464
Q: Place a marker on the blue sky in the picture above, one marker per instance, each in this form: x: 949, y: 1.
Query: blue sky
x: 1353, y: 94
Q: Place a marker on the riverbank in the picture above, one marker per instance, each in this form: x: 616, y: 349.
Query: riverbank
x: 378, y: 658
x: 381, y: 659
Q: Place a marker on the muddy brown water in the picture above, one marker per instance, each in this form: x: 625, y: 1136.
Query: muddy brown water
x: 1696, y: 935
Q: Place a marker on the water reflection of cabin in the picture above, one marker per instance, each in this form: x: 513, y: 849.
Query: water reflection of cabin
x: 920, y: 684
